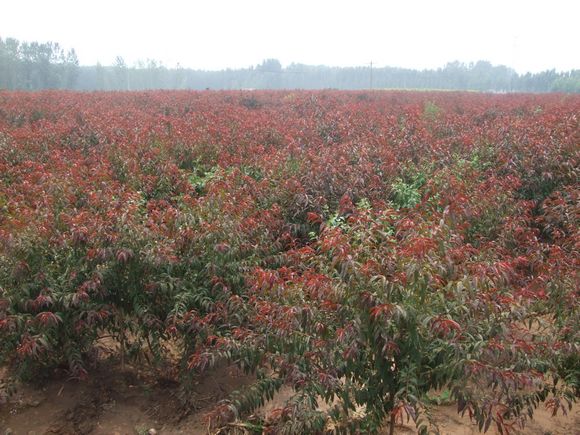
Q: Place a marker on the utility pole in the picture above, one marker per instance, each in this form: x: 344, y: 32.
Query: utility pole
x: 371, y: 75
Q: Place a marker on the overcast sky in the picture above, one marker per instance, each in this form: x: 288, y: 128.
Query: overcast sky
x: 527, y: 35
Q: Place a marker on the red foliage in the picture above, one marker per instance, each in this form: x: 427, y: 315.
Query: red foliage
x: 309, y: 231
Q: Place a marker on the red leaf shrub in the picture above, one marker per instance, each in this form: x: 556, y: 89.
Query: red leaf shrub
x: 360, y: 250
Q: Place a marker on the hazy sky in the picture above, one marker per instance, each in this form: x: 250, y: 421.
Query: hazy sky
x: 527, y: 35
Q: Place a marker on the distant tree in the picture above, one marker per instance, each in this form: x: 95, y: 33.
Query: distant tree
x: 100, y: 77
x: 70, y: 65
x: 568, y: 82
x: 153, y: 74
x: 9, y: 63
x: 36, y: 65
x: 178, y: 81
x: 269, y: 74
x: 270, y: 65
x: 121, y: 74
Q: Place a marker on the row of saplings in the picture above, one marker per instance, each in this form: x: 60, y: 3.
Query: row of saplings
x: 373, y: 313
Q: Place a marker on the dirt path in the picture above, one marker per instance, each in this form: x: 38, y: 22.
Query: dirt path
x: 115, y: 402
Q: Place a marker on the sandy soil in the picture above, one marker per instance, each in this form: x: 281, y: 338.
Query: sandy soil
x: 116, y: 402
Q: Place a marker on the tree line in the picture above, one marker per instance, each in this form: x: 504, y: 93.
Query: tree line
x: 34, y: 66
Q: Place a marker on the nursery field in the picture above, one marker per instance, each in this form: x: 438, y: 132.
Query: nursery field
x: 289, y: 262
